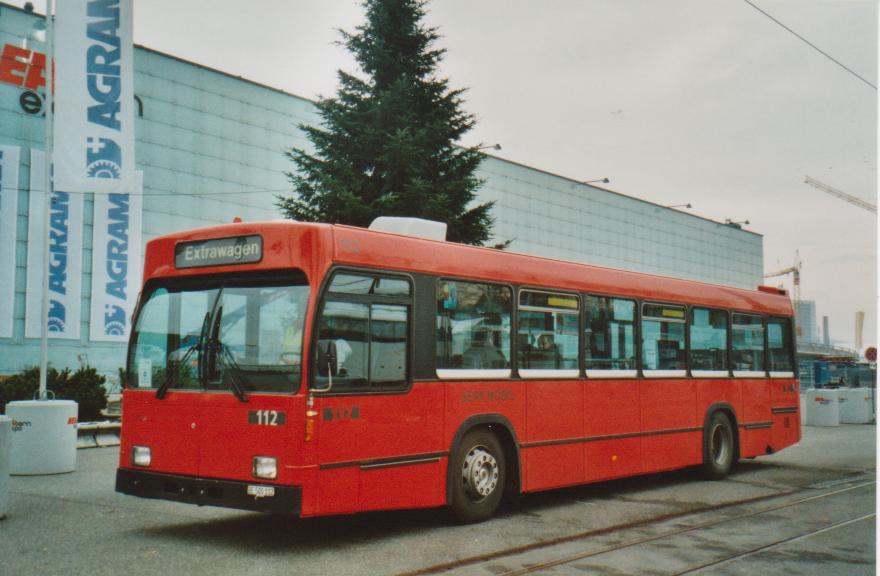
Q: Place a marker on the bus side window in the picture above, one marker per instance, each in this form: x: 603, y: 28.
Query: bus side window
x: 547, y: 336
x: 779, y: 345
x: 388, y: 336
x: 610, y: 337
x: 747, y: 336
x: 473, y: 330
x: 367, y: 318
x: 708, y: 331
x: 346, y: 324
x: 663, y: 339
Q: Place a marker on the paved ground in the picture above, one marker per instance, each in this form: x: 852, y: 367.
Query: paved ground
x: 661, y: 524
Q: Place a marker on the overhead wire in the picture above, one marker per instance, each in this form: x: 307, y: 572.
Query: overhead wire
x: 813, y: 46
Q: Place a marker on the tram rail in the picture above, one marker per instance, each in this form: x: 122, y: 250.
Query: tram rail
x: 830, y: 489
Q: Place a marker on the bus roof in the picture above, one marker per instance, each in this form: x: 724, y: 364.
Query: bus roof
x: 353, y: 246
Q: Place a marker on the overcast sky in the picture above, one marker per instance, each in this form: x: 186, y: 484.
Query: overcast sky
x: 702, y: 101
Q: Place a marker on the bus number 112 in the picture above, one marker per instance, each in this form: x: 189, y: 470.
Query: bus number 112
x: 266, y: 417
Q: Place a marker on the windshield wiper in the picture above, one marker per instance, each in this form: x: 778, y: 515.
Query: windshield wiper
x: 232, y: 368
x: 222, y: 353
x: 175, y: 378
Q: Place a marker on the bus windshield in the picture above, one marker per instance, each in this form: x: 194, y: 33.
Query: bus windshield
x: 241, y: 337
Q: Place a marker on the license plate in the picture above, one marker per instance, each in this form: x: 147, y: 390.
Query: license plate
x: 261, y: 491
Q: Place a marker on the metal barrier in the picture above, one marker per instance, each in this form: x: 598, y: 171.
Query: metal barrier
x: 97, y: 434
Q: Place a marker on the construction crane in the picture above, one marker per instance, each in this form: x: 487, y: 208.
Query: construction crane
x: 842, y: 195
x: 795, y: 271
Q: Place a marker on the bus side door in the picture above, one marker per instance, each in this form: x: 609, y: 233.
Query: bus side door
x: 380, y: 451
x: 378, y: 433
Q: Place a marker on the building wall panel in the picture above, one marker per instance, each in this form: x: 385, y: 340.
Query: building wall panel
x: 211, y: 148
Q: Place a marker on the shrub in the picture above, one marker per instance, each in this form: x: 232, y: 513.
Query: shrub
x: 85, y: 387
x: 22, y: 386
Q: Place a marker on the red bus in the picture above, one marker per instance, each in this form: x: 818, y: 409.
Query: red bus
x: 314, y: 369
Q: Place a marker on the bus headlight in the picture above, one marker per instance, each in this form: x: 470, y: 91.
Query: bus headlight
x: 265, y: 467
x: 140, y: 455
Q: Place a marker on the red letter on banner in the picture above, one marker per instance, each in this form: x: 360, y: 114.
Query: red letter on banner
x: 35, y: 77
x: 14, y: 59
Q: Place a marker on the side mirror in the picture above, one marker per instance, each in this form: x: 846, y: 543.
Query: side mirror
x: 327, y: 363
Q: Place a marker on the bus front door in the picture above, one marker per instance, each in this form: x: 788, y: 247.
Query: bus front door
x: 380, y: 451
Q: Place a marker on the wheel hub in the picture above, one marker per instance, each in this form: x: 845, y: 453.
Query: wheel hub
x: 720, y: 445
x: 480, y: 472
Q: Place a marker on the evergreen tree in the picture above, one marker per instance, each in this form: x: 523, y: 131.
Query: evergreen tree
x: 386, y: 144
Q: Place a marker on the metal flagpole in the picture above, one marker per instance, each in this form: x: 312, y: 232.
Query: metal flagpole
x: 47, y: 190
x: 48, y: 444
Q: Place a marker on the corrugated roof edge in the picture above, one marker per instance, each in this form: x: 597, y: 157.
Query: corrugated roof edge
x: 621, y: 194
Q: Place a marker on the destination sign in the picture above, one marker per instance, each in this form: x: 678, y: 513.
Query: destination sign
x: 219, y: 252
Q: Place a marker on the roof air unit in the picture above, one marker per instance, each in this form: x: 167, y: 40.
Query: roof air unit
x: 416, y: 227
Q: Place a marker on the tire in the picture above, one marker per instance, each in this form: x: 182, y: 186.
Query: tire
x: 478, y: 477
x: 719, y: 448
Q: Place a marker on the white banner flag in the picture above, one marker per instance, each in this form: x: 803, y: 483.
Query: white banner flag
x: 116, y: 262
x: 9, y: 157
x: 94, y: 96
x: 65, y: 239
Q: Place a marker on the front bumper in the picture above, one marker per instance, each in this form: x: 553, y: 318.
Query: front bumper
x: 207, y: 491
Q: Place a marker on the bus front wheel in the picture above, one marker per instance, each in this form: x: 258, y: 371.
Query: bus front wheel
x: 478, y: 477
x: 718, y: 446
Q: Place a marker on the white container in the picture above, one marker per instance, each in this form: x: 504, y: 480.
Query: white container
x: 823, y: 408
x: 855, y: 405
x: 43, y: 436
x: 5, y: 453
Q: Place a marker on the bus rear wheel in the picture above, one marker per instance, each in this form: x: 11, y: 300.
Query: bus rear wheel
x: 719, y: 450
x: 478, y: 477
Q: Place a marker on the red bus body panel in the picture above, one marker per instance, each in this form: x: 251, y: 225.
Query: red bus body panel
x: 553, y: 411
x: 360, y: 247
x: 612, y: 414
x: 351, y: 453
x: 383, y: 426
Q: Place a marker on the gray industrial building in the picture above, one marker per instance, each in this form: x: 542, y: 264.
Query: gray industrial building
x: 808, y: 331
x: 210, y: 147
